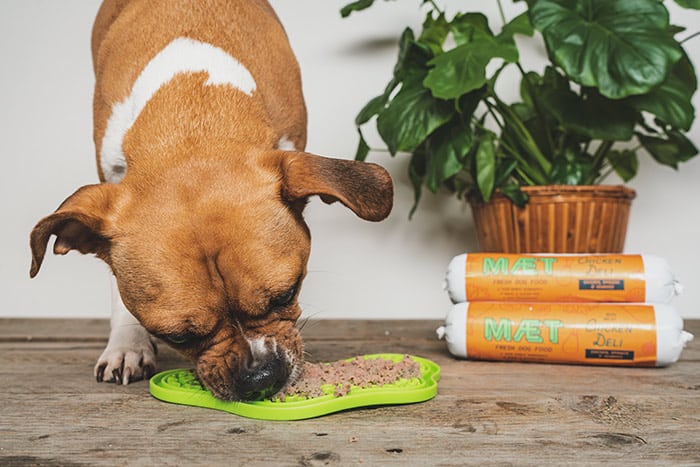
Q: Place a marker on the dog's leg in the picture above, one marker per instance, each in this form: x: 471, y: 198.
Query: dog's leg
x: 130, y: 353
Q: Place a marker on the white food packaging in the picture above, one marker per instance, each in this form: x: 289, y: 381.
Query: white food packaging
x: 557, y: 278
x: 602, y: 333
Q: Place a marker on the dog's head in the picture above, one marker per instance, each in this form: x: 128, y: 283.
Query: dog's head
x: 210, y: 258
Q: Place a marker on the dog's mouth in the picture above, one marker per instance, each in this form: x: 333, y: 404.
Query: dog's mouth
x: 256, y: 377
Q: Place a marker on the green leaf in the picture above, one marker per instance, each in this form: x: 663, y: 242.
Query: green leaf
x: 372, y: 108
x: 355, y: 6
x: 694, y: 4
x: 669, y: 151
x: 595, y: 117
x: 555, y: 80
x: 412, y: 63
x: 532, y: 83
x: 467, y: 104
x: 362, y: 148
x: 486, y: 165
x: 434, y: 32
x: 412, y: 114
x: 621, y: 47
x: 519, y: 25
x: 447, y: 148
x: 671, y: 101
x: 684, y: 71
x: 416, y: 173
x: 625, y: 163
x: 522, y: 145
x: 675, y: 29
x: 410, y: 117
x: 504, y: 170
x: 513, y: 192
x: 470, y: 27
x: 570, y: 169
x: 463, y: 68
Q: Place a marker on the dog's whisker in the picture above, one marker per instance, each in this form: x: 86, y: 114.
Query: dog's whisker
x: 316, y: 271
x: 301, y: 324
x: 309, y: 321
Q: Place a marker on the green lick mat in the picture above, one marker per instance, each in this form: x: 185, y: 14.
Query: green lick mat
x: 180, y: 386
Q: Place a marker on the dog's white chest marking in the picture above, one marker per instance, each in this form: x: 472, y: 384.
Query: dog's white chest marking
x: 182, y: 55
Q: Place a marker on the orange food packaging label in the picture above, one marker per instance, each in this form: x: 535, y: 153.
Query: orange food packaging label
x: 556, y: 278
x: 597, y: 334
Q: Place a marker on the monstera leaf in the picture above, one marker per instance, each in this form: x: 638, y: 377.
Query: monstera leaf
x: 486, y: 165
x: 623, y: 48
x: 448, y: 147
x: 617, y: 83
x: 694, y: 4
x: 671, y: 101
x: 359, y: 5
x: 463, y: 68
x: 410, y: 117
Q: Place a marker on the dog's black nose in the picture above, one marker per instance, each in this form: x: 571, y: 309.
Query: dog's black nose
x: 263, y: 379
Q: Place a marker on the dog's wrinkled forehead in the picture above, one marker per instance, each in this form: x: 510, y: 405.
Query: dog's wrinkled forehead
x: 231, y: 259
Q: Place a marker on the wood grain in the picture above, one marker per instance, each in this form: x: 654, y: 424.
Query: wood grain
x: 54, y: 413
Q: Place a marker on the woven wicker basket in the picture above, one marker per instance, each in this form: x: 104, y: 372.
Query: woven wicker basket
x: 557, y: 219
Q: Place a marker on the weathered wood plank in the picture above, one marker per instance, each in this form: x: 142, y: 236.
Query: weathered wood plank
x: 120, y: 427
x: 53, y: 413
x: 45, y: 329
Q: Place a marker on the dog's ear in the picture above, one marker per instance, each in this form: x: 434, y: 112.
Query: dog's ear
x: 80, y: 223
x: 363, y: 187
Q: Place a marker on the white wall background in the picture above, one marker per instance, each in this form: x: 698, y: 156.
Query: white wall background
x: 393, y: 269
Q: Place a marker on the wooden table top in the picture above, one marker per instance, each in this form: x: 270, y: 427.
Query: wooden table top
x: 54, y: 413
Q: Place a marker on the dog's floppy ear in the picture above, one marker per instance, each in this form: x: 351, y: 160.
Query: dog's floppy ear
x: 363, y: 187
x: 80, y: 223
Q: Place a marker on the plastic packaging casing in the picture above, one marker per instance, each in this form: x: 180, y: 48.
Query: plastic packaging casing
x: 670, y: 336
x: 661, y: 285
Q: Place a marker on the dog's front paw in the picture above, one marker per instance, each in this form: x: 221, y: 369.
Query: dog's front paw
x: 125, y: 360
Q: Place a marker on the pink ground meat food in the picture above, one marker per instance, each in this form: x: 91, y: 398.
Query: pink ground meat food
x: 343, y: 374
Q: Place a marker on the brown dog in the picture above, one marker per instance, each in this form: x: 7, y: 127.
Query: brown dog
x: 199, y: 123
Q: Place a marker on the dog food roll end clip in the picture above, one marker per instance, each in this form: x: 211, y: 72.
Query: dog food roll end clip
x: 560, y: 278
x: 584, y: 333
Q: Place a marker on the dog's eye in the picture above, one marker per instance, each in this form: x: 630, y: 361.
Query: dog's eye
x: 177, y: 339
x: 285, y: 298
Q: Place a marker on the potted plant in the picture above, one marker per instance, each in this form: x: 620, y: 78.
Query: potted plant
x: 618, y: 84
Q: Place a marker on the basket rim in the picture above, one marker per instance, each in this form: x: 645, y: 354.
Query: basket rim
x: 595, y: 191
x: 557, y: 219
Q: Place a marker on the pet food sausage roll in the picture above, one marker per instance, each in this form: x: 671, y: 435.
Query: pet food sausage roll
x: 560, y: 278
x: 584, y: 333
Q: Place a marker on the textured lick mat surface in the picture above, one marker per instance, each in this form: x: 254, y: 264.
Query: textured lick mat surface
x: 180, y: 386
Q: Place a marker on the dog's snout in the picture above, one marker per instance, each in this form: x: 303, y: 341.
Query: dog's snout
x: 264, y: 379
